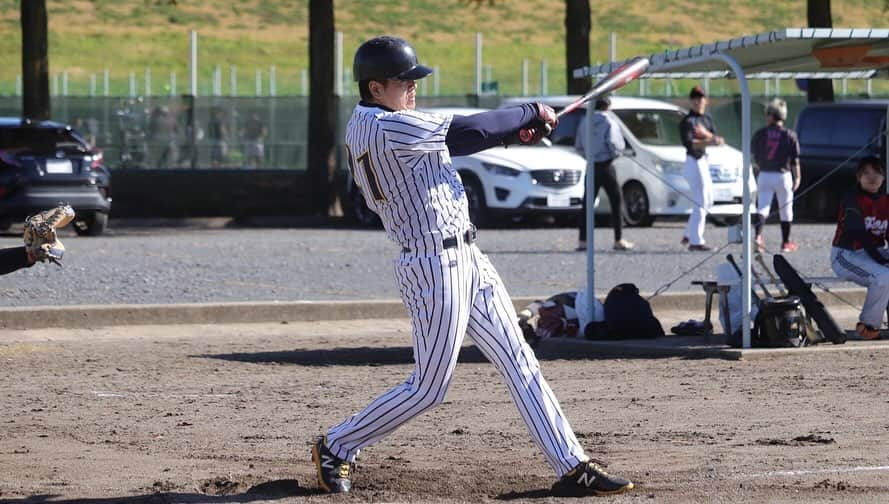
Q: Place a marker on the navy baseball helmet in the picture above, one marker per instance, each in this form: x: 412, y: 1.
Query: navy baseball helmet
x: 387, y: 57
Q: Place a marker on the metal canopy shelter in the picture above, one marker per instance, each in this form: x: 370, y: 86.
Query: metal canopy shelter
x: 789, y: 53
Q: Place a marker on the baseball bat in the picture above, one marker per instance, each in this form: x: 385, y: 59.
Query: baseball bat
x: 617, y: 79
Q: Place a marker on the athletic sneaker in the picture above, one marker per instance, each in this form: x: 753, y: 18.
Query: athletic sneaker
x: 867, y: 332
x: 333, y: 472
x: 760, y: 244
x: 587, y: 478
x: 789, y: 246
x: 699, y: 248
x: 624, y: 245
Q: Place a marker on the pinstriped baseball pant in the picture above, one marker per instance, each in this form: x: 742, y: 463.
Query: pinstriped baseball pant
x: 449, y: 295
x: 857, y: 266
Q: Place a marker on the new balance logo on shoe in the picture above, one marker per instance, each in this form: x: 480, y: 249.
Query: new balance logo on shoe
x: 333, y: 472
x: 586, y: 479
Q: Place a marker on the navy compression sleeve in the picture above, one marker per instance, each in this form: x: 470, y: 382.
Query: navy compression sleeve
x: 477, y: 132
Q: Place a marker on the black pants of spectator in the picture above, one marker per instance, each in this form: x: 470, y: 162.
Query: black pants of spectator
x: 13, y: 258
x: 607, y: 177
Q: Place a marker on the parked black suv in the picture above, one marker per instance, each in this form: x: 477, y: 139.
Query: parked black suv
x: 831, y: 134
x: 46, y: 163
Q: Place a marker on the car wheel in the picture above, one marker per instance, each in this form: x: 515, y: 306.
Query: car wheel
x: 93, y: 224
x: 637, y: 211
x: 360, y: 212
x: 475, y: 196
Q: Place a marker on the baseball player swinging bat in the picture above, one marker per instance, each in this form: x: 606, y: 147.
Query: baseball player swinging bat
x: 615, y: 80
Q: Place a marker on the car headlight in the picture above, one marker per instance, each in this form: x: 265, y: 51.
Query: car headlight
x: 672, y: 167
x: 497, y: 169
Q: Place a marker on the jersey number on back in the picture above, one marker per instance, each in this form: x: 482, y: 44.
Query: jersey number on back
x: 369, y: 174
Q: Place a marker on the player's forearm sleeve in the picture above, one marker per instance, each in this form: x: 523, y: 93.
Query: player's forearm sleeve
x: 13, y: 258
x: 471, y: 134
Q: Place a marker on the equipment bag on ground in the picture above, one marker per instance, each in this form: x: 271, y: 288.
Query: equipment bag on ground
x: 628, y: 315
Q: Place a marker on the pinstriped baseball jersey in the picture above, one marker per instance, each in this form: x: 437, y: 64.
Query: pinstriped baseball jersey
x: 402, y: 165
x: 401, y: 162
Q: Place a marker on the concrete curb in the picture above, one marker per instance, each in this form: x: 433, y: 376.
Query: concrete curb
x: 89, y: 316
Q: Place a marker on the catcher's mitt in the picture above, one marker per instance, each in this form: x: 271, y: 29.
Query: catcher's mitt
x: 41, y: 241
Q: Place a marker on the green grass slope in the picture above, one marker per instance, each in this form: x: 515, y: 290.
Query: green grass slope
x: 124, y: 36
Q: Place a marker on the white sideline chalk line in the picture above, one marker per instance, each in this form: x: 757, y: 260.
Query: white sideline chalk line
x: 103, y: 393
x: 803, y: 472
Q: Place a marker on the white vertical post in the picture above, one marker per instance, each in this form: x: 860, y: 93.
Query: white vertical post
x: 233, y: 80
x: 258, y: 82
x: 147, y: 81
x: 92, y: 84
x: 132, y: 83
x: 18, y: 84
x: 105, y: 83
x: 338, y: 64
x: 173, y: 83
x: 544, y: 84
x: 869, y: 90
x: 65, y: 83
x: 777, y: 86
x: 524, y: 76
x: 436, y: 74
x: 273, y: 85
x: 55, y: 84
x: 706, y: 85
x: 845, y: 86
x: 766, y: 91
x: 642, y: 87
x: 304, y: 81
x: 478, y: 63
x: 612, y: 53
x: 589, y: 218
x: 194, y: 63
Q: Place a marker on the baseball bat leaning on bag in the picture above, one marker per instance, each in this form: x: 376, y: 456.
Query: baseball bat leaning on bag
x: 617, y: 79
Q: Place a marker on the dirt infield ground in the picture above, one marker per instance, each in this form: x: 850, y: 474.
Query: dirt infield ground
x: 226, y: 414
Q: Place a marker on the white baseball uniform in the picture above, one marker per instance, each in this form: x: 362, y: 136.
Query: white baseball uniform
x: 402, y: 164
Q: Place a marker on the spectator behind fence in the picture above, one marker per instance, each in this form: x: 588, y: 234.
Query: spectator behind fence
x: 858, y: 253
x: 775, y: 152
x: 254, y: 133
x: 697, y: 132
x: 163, y: 133
x: 608, y: 145
x: 217, y: 131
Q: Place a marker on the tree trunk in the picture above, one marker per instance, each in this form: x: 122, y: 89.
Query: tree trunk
x: 35, y: 60
x: 322, y: 109
x: 577, y: 44
x: 818, y: 13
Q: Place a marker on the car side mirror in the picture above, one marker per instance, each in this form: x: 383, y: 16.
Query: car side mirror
x: 629, y: 152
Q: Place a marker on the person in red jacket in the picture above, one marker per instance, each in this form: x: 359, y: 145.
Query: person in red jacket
x: 859, y: 249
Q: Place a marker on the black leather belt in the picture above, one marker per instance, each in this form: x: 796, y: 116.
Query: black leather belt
x: 468, y: 237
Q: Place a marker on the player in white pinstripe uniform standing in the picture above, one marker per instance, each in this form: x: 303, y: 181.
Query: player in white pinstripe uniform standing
x: 401, y: 160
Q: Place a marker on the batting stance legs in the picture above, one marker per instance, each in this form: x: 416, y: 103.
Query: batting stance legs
x: 449, y: 295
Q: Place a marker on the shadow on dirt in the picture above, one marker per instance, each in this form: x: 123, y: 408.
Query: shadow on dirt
x: 216, y: 494
x: 387, y: 356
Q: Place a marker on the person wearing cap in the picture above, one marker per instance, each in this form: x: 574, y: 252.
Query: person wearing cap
x: 859, y: 249
x: 608, y: 144
x: 697, y: 132
x: 775, y: 152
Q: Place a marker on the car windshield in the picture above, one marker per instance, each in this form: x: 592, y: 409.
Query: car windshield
x: 41, y: 141
x: 652, y: 126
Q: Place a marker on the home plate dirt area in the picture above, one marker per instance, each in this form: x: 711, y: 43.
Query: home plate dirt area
x: 227, y: 413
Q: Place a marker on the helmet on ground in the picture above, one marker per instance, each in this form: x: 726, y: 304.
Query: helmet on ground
x: 777, y: 108
x: 387, y: 57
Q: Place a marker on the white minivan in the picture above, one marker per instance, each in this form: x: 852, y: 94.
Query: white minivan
x: 650, y: 172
